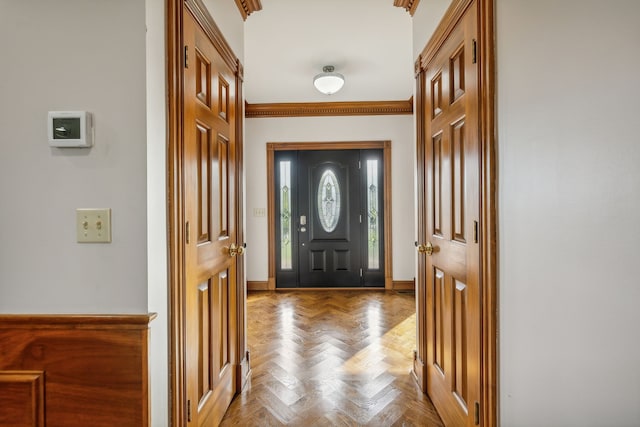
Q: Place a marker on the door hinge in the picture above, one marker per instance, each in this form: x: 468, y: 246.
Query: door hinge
x: 477, y: 414
x: 187, y: 231
x: 475, y: 231
x: 475, y: 49
x: 415, y: 355
x: 186, y: 57
x: 188, y: 411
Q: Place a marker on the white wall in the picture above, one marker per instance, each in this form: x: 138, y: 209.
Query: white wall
x: 65, y: 55
x: 398, y: 129
x: 229, y: 20
x: 425, y: 20
x: 569, y: 209
x: 157, y: 211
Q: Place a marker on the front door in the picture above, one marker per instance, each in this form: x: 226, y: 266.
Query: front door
x: 330, y: 218
x: 449, y: 260
x: 210, y: 269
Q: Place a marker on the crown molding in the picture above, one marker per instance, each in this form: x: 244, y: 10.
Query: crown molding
x: 311, y: 109
x: 408, y: 5
x: 247, y: 7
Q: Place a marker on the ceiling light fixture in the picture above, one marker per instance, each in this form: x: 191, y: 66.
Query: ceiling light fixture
x: 328, y: 81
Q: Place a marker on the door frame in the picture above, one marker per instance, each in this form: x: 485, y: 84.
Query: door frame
x: 176, y: 203
x: 272, y: 147
x: 488, y: 187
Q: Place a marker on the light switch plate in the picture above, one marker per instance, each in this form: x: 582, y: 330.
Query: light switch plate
x: 93, y: 225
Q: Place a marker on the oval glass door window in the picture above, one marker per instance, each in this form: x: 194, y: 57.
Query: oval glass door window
x: 329, y: 201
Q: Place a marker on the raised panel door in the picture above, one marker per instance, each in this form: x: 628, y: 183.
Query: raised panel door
x: 209, y: 159
x: 449, y: 267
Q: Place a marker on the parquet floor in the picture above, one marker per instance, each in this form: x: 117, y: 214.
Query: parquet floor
x: 331, y: 358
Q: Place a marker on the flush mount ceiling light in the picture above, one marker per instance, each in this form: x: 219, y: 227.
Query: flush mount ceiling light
x: 328, y: 81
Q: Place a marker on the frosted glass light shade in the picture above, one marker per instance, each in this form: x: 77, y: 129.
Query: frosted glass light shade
x: 328, y: 82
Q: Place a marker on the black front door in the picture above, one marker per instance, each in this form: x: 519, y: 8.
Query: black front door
x: 329, y: 223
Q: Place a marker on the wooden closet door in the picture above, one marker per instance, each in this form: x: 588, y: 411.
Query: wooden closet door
x: 449, y: 287
x: 210, y: 191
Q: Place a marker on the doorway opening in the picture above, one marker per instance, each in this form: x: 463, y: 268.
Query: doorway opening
x: 317, y: 239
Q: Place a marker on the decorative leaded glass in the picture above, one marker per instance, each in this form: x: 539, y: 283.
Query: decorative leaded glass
x: 285, y: 216
x: 329, y: 201
x: 373, y: 226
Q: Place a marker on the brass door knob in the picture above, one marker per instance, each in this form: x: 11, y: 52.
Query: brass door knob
x: 425, y: 249
x: 232, y: 250
x: 241, y: 248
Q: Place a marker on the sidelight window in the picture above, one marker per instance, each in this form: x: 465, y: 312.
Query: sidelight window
x: 285, y: 216
x: 373, y: 224
x: 329, y: 201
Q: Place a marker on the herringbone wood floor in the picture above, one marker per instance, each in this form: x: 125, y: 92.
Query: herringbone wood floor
x: 331, y: 358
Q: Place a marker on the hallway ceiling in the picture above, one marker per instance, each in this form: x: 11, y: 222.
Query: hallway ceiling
x: 289, y: 41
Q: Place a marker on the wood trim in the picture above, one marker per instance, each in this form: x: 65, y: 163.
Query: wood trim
x: 315, y: 109
x: 247, y: 7
x: 409, y: 5
x: 272, y: 147
x: 81, y: 321
x: 488, y: 197
x: 257, y: 286
x: 243, y: 367
x: 271, y: 209
x: 76, y: 370
x: 175, y: 213
x: 346, y: 145
x: 419, y: 357
x: 404, y: 285
x: 488, y: 212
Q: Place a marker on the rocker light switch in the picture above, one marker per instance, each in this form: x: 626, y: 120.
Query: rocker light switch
x: 93, y: 225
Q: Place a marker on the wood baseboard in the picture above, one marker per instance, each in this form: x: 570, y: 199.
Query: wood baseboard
x: 257, y: 286
x: 404, y: 285
x: 75, y: 370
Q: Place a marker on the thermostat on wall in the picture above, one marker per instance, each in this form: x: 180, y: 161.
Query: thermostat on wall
x: 70, y: 129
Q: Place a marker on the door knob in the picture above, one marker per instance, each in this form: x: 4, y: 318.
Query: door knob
x: 234, y: 249
x: 241, y: 249
x: 425, y: 249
